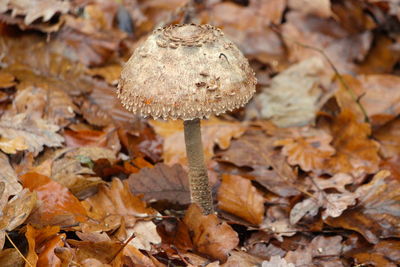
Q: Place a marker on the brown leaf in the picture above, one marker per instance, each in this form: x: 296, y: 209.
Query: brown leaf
x: 238, y: 196
x: 110, y: 73
x: 10, y: 179
x: 380, y: 96
x: 57, y: 204
x: 104, y: 251
x: 6, y: 79
x: 210, y: 236
x: 12, y: 146
x: 376, y: 214
x: 320, y: 8
x: 11, y: 258
x: 33, y: 10
x: 269, y: 167
x: 389, y: 138
x: 175, y: 232
x: 114, y: 202
x: 42, y: 243
x: 37, y: 133
x: 161, y: 183
x: 355, y: 153
x: 277, y: 261
x: 214, y: 131
x: 309, y: 149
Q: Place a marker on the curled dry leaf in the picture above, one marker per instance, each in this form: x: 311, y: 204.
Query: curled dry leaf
x: 293, y: 97
x: 356, y: 153
x: 214, y: 131
x: 37, y: 133
x: 10, y: 257
x: 42, y: 243
x: 57, y: 206
x: 238, y: 196
x: 376, y: 215
x: 6, y: 79
x: 161, y: 183
x: 277, y: 223
x: 310, y: 150
x: 210, y: 236
x: 103, y: 251
x: 389, y: 138
x: 12, y: 146
x: 110, y: 204
x: 34, y: 9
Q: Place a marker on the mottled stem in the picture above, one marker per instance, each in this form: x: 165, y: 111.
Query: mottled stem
x: 200, y: 192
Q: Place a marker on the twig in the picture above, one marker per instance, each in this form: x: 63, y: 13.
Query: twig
x: 122, y: 247
x: 353, y: 95
x: 18, y: 251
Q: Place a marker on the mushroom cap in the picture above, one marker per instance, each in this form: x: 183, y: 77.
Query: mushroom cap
x: 186, y: 71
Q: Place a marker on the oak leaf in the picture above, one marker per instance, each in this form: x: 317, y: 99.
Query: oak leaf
x: 310, y: 150
x: 238, y: 196
x: 10, y: 179
x: 37, y: 133
x: 210, y: 236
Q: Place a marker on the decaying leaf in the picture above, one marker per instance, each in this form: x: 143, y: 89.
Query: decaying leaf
x: 37, y: 133
x: 292, y: 99
x: 9, y: 178
x: 276, y: 261
x: 12, y: 146
x: 238, y: 196
x: 214, y: 131
x: 210, y: 236
x: 161, y: 183
x: 320, y: 8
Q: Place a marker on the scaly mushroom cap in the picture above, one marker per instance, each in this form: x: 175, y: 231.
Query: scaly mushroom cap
x: 185, y: 72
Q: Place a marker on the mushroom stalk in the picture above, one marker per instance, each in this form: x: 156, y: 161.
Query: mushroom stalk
x: 200, y: 192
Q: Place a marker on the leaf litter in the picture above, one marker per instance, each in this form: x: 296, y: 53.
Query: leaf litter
x: 305, y: 175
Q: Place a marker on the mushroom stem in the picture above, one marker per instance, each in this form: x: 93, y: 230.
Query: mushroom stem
x: 200, y: 192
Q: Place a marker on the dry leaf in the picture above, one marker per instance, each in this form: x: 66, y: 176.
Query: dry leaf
x: 356, y: 153
x: 276, y: 261
x: 56, y: 204
x: 12, y: 146
x: 238, y: 196
x: 10, y: 179
x: 34, y: 9
x: 11, y: 258
x: 113, y: 202
x: 388, y: 137
x: 37, y: 133
x: 6, y: 79
x: 210, y: 236
x: 310, y: 149
x: 292, y: 99
x: 277, y: 223
x: 110, y: 73
x: 161, y: 183
x: 376, y: 214
x: 104, y: 251
x: 145, y: 235
x: 320, y: 8
x: 214, y: 131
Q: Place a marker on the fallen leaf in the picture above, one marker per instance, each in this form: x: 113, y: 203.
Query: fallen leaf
x: 56, y: 204
x: 270, y: 168
x: 11, y: 258
x: 277, y: 223
x: 42, y: 243
x: 214, y: 131
x: 380, y: 96
x: 110, y: 73
x: 10, y: 179
x: 338, y: 182
x: 145, y: 235
x: 37, y: 133
x: 309, y: 149
x: 161, y: 183
x: 293, y: 97
x: 388, y: 137
x: 210, y: 236
x: 320, y: 8
x: 112, y: 203
x: 276, y: 261
x: 175, y: 232
x: 356, y: 153
x: 238, y: 196
x: 34, y: 10
x: 12, y: 146
x: 375, y: 216
x: 104, y: 251
x: 240, y: 258
x: 6, y: 80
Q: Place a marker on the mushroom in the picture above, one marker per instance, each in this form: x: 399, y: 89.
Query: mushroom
x: 187, y: 72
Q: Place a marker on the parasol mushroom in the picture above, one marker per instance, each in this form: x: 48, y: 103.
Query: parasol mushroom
x: 187, y: 72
